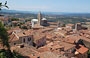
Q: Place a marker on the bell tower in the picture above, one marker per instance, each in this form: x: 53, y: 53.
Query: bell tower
x: 39, y: 16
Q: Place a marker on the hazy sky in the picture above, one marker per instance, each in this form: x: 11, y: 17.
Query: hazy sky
x: 50, y: 5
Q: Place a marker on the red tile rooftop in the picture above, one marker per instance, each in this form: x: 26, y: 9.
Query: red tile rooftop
x: 43, y: 49
x: 24, y: 33
x: 82, y: 49
x: 2, y: 18
x: 58, y: 44
x: 15, y: 21
x: 37, y: 26
x: 66, y: 45
x: 58, y: 52
x: 48, y: 55
x: 28, y: 32
x: 13, y: 38
x: 61, y: 32
x: 50, y: 36
x: 69, y: 24
x: 73, y: 37
x: 38, y: 36
x: 46, y: 29
x: 25, y: 51
x: 85, y: 31
x: 69, y: 40
x: 13, y: 29
x: 57, y: 47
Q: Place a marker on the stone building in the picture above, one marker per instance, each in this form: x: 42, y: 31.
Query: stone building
x: 79, y: 26
x: 21, y: 38
x: 39, y: 40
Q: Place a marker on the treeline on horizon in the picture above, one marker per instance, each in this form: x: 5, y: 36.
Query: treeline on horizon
x: 66, y: 18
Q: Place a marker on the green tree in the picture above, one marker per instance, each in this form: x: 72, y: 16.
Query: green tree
x: 3, y: 36
x: 5, y: 52
x: 14, y: 19
x: 3, y: 5
x: 3, y: 32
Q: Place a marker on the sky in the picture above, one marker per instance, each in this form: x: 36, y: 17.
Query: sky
x: 81, y: 6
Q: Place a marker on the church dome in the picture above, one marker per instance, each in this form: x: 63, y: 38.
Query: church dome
x: 34, y: 20
x: 44, y: 19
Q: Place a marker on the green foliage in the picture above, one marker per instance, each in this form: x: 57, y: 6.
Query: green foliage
x: 14, y: 19
x: 68, y: 19
x: 3, y: 5
x: 4, y: 39
x: 88, y: 52
x: 17, y: 55
x: 3, y: 35
x: 5, y: 54
x: 24, y: 27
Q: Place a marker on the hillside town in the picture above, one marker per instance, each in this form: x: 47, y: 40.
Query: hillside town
x: 43, y: 39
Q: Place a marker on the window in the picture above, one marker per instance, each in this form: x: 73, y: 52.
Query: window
x: 24, y: 40
x: 14, y: 43
x: 50, y: 48
x: 29, y: 39
x: 21, y: 46
x: 38, y: 57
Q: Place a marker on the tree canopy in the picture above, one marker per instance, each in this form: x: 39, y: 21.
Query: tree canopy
x: 3, y: 5
x: 6, y: 52
x: 3, y: 35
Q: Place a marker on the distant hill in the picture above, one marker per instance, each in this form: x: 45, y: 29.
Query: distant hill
x: 46, y: 13
x: 16, y: 11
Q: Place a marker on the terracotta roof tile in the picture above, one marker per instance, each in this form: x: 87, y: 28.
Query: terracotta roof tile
x: 66, y: 45
x: 38, y: 36
x: 48, y: 55
x: 70, y: 25
x: 13, y: 38
x: 82, y: 49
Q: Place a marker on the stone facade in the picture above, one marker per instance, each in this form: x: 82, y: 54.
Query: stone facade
x: 15, y: 39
